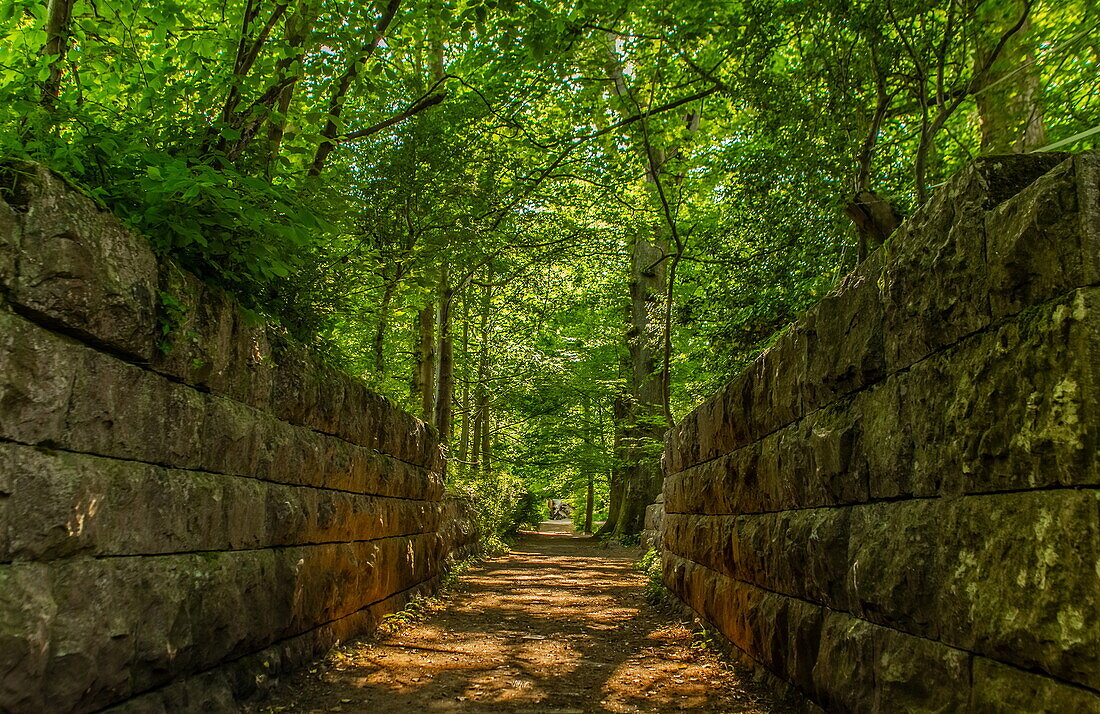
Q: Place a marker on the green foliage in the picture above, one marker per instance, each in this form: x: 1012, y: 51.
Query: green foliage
x: 733, y: 135
x: 650, y: 565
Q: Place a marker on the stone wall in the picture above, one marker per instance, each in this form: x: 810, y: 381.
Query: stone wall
x: 896, y: 507
x: 190, y: 504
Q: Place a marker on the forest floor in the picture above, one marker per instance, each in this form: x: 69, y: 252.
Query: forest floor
x: 558, y: 625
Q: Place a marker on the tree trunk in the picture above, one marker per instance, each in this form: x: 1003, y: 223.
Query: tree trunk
x: 423, y: 381
x: 58, y: 18
x: 486, y: 439
x: 481, y: 393
x: 1010, y: 110
x: 299, y: 27
x: 380, y: 331
x: 619, y: 473
x: 646, y: 419
x: 344, y: 84
x: 444, y: 396
x: 467, y: 408
x: 588, y: 503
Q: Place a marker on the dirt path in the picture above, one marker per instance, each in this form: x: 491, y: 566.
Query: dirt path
x: 558, y: 625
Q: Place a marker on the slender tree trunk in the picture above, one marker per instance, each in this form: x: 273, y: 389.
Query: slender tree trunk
x: 483, y: 430
x: 647, y: 425
x: 58, y: 20
x: 621, y: 471
x: 1010, y: 109
x: 423, y: 381
x: 444, y: 396
x: 479, y: 426
x: 481, y: 393
x: 589, y: 502
x: 649, y: 250
x: 486, y: 439
x: 590, y: 494
x: 299, y: 28
x: 467, y: 409
x: 380, y: 331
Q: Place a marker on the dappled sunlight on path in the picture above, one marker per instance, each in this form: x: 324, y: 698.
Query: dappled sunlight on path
x: 557, y: 625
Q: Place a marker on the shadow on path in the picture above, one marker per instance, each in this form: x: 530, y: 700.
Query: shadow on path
x: 557, y: 625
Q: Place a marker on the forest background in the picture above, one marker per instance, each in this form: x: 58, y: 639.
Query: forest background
x: 550, y: 229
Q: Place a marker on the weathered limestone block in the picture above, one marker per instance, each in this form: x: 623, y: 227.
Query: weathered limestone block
x: 208, y: 342
x: 86, y: 272
x: 711, y: 429
x: 295, y: 393
x: 796, y: 553
x: 84, y: 633
x: 458, y: 528
x: 9, y: 244
x: 767, y: 396
x: 1023, y: 412
x: 817, y: 461
x: 61, y: 504
x: 1020, y: 577
x: 120, y: 410
x: 913, y: 674
x: 779, y: 632
x: 1000, y: 689
x: 1045, y: 241
x: 36, y: 382
x: 844, y: 673
x: 57, y: 392
x: 654, y: 519
x: 221, y: 689
x: 894, y: 563
x: 845, y: 337
x: 25, y: 608
x: 775, y: 394
x: 935, y: 280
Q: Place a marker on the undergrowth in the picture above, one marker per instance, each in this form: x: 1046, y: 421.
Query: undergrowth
x: 655, y: 591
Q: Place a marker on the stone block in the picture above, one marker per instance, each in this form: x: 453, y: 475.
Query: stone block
x: 744, y: 481
x: 804, y: 623
x: 844, y: 673
x: 935, y: 280
x: 25, y: 609
x: 36, y: 381
x: 124, y: 411
x: 1000, y: 689
x: 808, y: 555
x: 1013, y: 409
x: 85, y: 633
x: 61, y: 504
x: 9, y: 245
x: 1019, y: 580
x: 913, y: 674
x: 715, y: 427
x: 1024, y: 408
x: 775, y: 386
x: 208, y: 341
x: 818, y: 460
x: 895, y: 564
x: 934, y: 288
x: 295, y: 391
x: 87, y: 273
x: 845, y: 337
x: 1044, y: 241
